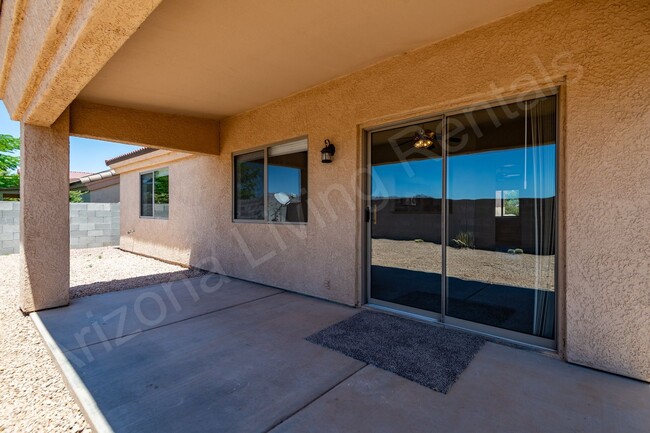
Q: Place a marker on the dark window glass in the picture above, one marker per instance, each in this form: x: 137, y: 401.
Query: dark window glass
x: 154, y: 194
x: 406, y: 217
x: 249, y: 186
x: 287, y: 182
x: 501, y: 173
x: 146, y: 194
x: 161, y: 193
x: 282, y: 195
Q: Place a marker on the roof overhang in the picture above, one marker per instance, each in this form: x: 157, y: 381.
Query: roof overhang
x: 138, y: 72
x: 217, y: 59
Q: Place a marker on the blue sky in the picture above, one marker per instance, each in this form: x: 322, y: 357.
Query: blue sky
x: 284, y: 179
x: 471, y: 176
x: 85, y: 154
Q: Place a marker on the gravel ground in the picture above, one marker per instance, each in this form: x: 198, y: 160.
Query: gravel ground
x: 101, y: 270
x: 33, y: 397
x: 520, y: 270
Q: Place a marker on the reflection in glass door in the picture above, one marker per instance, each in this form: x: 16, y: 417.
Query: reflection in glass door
x: 495, y: 172
x: 501, y: 201
x: 405, y: 217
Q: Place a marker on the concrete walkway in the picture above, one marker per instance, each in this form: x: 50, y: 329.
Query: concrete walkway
x: 222, y: 355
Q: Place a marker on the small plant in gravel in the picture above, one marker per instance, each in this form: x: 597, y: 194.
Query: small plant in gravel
x: 417, y: 241
x: 463, y: 240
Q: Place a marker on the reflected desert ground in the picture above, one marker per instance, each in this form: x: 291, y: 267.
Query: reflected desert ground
x: 519, y: 270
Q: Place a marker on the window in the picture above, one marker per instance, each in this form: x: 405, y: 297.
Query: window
x: 507, y: 203
x: 154, y: 194
x: 271, y: 184
x: 249, y: 186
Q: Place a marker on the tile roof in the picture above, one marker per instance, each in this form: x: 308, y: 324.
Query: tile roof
x: 76, y: 175
x: 129, y: 155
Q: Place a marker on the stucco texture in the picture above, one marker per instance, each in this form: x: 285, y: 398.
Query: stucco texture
x: 44, y: 216
x: 598, y: 51
x: 53, y: 48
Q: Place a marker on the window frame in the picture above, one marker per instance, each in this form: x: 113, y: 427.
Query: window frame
x: 153, y: 194
x: 265, y: 148
x: 500, y: 198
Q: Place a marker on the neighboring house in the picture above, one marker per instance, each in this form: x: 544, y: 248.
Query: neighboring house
x: 9, y: 194
x: 75, y: 184
x: 489, y: 168
x: 102, y: 187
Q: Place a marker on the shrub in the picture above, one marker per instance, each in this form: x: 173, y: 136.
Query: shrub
x: 463, y: 240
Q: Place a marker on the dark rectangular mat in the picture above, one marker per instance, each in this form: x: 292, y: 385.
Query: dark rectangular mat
x: 427, y: 354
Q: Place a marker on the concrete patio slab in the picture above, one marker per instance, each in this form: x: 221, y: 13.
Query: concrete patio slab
x: 503, y: 390
x: 237, y: 360
x: 119, y: 315
x: 244, y: 368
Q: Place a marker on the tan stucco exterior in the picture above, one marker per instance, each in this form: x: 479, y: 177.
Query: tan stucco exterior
x: 44, y: 218
x: 51, y: 50
x: 237, y: 56
x: 596, y: 52
x: 159, y: 130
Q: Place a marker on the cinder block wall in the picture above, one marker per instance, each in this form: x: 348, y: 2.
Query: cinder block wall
x: 9, y: 227
x: 91, y: 225
x: 94, y: 224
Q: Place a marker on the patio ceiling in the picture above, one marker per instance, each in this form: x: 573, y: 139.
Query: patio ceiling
x: 215, y: 59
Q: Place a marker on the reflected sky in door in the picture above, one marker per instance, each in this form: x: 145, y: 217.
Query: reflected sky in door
x: 478, y: 167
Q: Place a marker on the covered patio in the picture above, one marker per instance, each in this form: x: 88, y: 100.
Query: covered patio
x: 239, y: 103
x: 212, y: 353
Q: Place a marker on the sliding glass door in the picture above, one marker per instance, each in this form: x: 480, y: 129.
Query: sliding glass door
x: 405, y: 217
x: 462, y: 219
x: 501, y: 206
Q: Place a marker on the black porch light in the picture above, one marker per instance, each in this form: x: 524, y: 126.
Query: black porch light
x: 327, y: 152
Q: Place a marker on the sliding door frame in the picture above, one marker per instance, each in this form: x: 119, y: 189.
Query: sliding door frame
x: 519, y: 338
x: 367, y: 206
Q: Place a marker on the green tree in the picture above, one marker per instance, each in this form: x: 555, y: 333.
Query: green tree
x: 161, y: 189
x: 250, y: 178
x: 511, y: 202
x: 77, y: 196
x: 9, y: 161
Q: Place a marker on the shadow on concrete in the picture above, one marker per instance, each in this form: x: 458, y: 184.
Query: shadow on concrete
x: 99, y: 287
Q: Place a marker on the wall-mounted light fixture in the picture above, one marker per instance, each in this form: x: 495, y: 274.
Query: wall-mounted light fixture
x: 327, y: 152
x: 423, y: 139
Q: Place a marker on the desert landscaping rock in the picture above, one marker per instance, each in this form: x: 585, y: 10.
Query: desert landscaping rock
x: 100, y: 270
x: 33, y: 396
x: 519, y: 270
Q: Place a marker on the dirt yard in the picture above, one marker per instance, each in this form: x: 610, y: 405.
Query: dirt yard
x: 520, y: 270
x: 33, y: 397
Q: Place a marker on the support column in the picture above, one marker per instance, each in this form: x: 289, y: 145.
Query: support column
x: 45, y: 215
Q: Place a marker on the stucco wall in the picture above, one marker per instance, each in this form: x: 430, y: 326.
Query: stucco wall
x: 598, y: 50
x: 109, y: 194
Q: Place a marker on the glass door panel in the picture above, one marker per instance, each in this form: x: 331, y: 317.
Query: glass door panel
x: 501, y: 217
x: 405, y: 216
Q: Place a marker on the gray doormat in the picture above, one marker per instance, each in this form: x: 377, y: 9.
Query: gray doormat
x: 427, y: 354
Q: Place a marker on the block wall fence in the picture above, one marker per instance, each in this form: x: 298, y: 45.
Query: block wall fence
x: 91, y: 225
